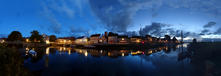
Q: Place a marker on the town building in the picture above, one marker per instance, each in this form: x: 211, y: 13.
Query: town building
x: 94, y: 39
x: 123, y: 39
x: 81, y: 40
x: 136, y: 39
x: 112, y: 38
x: 104, y: 38
x: 26, y: 39
x: 148, y: 39
x: 65, y: 40
x: 46, y: 38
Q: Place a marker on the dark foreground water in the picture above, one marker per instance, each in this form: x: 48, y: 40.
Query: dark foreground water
x: 196, y: 59
x: 61, y: 61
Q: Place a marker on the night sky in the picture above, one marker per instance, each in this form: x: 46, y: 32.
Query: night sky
x: 197, y: 18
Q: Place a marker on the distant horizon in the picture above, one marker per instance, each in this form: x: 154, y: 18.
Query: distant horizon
x: 187, y: 39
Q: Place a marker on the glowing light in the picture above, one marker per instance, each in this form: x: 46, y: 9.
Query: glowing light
x: 27, y: 40
x: 26, y: 48
x: 122, y: 38
x: 122, y: 54
x: 101, y: 51
x: 109, y: 54
x: 47, y: 51
x: 133, y: 53
x: 64, y: 48
x: 138, y: 41
x: 80, y: 51
x: 150, y: 52
x: 69, y: 52
x: 47, y: 42
x: 86, y: 54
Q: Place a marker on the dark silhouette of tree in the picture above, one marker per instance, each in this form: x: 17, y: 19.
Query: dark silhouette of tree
x: 15, y: 36
x: 52, y: 38
x: 194, y: 40
x: 174, y: 39
x: 36, y: 37
x: 167, y: 37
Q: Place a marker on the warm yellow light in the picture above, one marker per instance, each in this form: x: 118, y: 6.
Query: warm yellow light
x: 80, y: 51
x: 69, y: 41
x: 27, y: 40
x: 122, y: 38
x: 47, y: 42
x: 26, y: 48
x: 47, y: 51
x: 69, y: 52
x: 86, y: 54
x: 137, y: 40
x: 122, y: 54
x: 133, y: 53
x: 150, y: 52
x: 109, y: 54
x: 64, y: 48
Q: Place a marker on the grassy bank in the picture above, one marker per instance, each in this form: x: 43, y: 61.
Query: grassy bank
x: 206, y: 57
x: 11, y: 63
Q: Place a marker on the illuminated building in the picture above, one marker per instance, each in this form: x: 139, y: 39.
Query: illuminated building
x: 94, y: 39
x: 81, y: 40
x: 112, y: 38
x: 64, y: 41
x: 104, y: 38
x: 136, y: 39
x: 123, y: 39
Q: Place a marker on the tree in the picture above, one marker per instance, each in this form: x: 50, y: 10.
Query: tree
x: 35, y: 37
x: 52, y: 38
x: 174, y: 39
x: 167, y: 37
x: 15, y: 36
x: 194, y: 40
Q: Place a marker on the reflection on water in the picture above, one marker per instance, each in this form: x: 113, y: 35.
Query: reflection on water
x: 84, y: 62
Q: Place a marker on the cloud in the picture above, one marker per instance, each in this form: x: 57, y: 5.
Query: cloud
x: 79, y: 31
x: 210, y: 24
x: 205, y: 31
x: 156, y: 29
x: 218, y: 31
x: 117, y: 15
x: 66, y: 8
x: 161, y: 29
x: 60, y: 6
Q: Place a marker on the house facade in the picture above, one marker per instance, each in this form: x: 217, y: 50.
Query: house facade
x: 94, y: 39
x: 136, y: 39
x: 112, y: 38
x: 81, y: 41
x: 123, y: 39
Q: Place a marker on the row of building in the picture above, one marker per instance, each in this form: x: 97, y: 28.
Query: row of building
x: 107, y: 38
x: 113, y: 38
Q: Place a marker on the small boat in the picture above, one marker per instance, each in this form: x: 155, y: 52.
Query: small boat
x: 32, y: 52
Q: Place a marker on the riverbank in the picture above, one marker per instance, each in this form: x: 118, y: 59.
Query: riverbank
x: 206, y: 56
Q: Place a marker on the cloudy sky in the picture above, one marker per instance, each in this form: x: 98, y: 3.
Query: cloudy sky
x: 196, y: 18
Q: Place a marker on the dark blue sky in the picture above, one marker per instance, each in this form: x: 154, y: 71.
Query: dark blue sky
x: 197, y: 18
